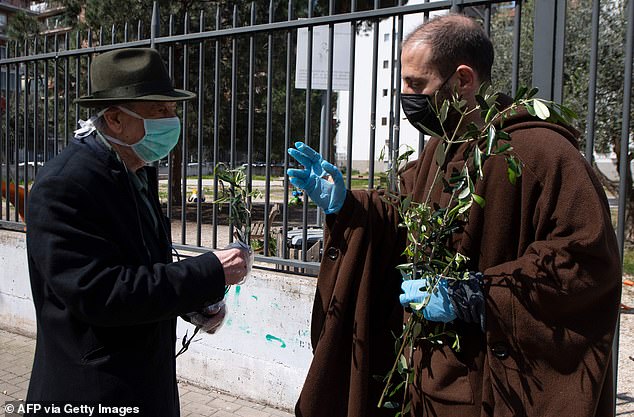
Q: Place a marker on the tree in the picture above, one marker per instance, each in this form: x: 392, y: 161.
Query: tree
x: 609, y: 94
x: 22, y: 26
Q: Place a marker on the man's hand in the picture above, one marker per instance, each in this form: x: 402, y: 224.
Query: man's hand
x: 437, y: 305
x: 450, y: 299
x: 210, y: 323
x: 234, y: 263
x: 326, y: 194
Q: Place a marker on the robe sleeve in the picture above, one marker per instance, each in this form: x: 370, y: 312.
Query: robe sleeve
x: 356, y: 312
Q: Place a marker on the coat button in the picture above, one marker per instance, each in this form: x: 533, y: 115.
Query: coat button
x: 500, y: 350
x: 332, y: 253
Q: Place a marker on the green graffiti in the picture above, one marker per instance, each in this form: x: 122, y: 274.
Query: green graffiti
x: 271, y: 338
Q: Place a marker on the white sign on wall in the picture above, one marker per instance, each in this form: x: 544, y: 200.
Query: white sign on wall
x: 341, y: 58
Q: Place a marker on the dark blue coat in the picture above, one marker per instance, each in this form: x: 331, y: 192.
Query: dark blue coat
x: 105, y: 289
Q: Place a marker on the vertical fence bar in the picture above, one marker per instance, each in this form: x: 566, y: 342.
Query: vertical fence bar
x: 592, y: 88
x: 113, y: 36
x: 287, y: 131
x: 185, y: 131
x: 56, y: 98
x: 251, y: 114
x: 623, y: 165
x: 88, y: 70
x: 3, y: 129
x: 234, y: 102
x: 201, y: 110
x: 154, y: 26
x: 331, y: 50
x: 36, y: 99
x: 375, y: 59
x: 309, y: 93
x: 517, y: 34
x: 390, y: 143
x: 171, y: 157
x: 125, y: 32
x: 396, y: 96
x: 216, y: 129
x: 269, y: 133
x: 66, y: 85
x: 7, y: 125
x: 47, y: 154
x: 25, y: 127
x: 16, y: 143
x: 351, y: 66
x: 77, y: 84
x: 487, y: 19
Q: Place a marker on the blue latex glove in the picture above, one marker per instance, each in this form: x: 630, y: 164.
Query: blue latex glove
x: 439, y: 308
x: 327, y: 195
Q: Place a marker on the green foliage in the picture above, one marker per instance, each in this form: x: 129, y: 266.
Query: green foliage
x: 430, y: 228
x: 234, y: 192
x: 22, y: 27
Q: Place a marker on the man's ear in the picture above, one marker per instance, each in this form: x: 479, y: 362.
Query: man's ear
x: 112, y: 117
x: 467, y: 79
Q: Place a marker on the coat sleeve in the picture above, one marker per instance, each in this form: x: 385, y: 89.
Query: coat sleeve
x: 70, y: 249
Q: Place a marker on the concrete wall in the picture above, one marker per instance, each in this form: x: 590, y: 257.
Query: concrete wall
x: 262, y: 352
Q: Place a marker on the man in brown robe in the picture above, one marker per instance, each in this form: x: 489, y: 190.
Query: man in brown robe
x: 545, y: 246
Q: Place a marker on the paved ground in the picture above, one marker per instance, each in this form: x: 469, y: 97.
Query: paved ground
x: 16, y: 357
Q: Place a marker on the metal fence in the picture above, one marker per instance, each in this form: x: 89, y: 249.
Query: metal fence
x: 251, y: 108
x: 242, y: 63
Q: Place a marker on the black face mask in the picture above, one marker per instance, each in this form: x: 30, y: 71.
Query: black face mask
x: 419, y: 111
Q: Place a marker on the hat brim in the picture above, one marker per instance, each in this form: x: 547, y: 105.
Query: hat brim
x: 174, y: 95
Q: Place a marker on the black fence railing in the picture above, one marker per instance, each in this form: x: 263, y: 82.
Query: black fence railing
x: 252, y: 104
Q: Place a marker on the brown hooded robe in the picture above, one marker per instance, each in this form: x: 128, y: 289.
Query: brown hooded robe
x: 552, y: 273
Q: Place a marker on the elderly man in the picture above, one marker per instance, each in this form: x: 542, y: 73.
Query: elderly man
x: 535, y: 331
x: 106, y: 291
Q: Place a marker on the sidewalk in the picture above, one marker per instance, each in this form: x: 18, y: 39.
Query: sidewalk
x: 16, y: 358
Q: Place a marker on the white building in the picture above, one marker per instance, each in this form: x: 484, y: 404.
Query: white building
x: 387, y: 50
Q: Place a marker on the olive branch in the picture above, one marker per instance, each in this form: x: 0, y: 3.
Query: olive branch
x: 429, y: 228
x: 237, y: 196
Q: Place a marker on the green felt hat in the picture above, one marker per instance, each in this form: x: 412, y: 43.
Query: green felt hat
x: 130, y: 74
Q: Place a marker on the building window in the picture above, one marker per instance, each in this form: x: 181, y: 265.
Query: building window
x: 385, y: 92
x: 386, y: 37
x: 383, y: 121
x: 386, y: 64
x: 3, y: 19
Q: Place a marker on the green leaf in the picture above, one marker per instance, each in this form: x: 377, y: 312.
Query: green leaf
x: 402, y: 364
x: 428, y: 131
x: 541, y: 109
x: 439, y: 154
x: 464, y: 193
x: 444, y: 110
x: 530, y: 109
x: 482, y: 103
x: 490, y: 114
x: 520, y: 93
x: 491, y: 139
x: 479, y: 200
x: 391, y: 404
x: 532, y: 92
x: 477, y: 161
x: 503, y: 148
